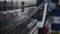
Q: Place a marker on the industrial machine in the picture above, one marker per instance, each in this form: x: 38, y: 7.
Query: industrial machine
x: 22, y: 16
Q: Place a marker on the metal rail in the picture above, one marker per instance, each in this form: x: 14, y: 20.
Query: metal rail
x: 34, y: 12
x: 31, y: 14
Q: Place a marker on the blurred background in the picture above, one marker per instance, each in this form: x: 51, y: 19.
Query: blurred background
x: 29, y: 16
